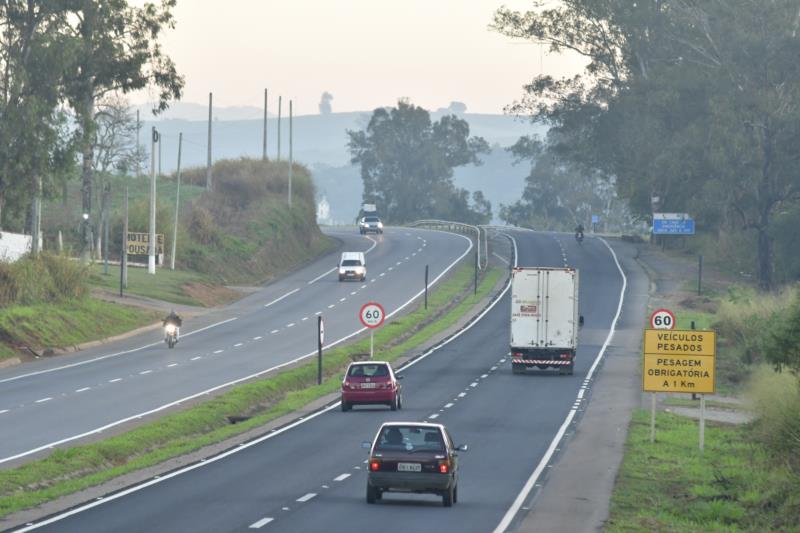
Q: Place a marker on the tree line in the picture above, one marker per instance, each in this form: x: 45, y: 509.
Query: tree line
x: 684, y: 106
x: 63, y: 65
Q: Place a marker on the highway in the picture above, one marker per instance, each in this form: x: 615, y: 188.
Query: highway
x: 309, y: 476
x: 58, y: 401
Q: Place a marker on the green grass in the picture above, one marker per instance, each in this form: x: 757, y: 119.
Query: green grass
x: 67, y: 471
x: 167, y: 285
x: 684, y: 319
x: 670, y: 486
x: 59, y: 325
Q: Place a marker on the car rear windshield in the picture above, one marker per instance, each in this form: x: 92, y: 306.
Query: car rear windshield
x: 410, y: 438
x: 351, y: 263
x: 371, y: 219
x: 368, y: 371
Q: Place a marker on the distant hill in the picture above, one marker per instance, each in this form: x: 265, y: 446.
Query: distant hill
x: 320, y: 142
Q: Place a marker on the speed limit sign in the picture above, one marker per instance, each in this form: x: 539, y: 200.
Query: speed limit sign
x: 372, y: 315
x: 662, y: 319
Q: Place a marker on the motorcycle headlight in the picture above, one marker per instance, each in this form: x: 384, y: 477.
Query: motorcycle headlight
x: 171, y: 328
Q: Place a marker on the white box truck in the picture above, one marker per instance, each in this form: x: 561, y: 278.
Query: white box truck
x: 544, y: 319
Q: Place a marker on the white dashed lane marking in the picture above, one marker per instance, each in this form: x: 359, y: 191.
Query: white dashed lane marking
x: 331, y: 306
x: 195, y: 358
x: 83, y: 389
x: 172, y: 364
x: 290, y: 325
x: 43, y: 400
x: 434, y: 416
x: 3, y: 411
x: 307, y: 497
x: 114, y: 380
x: 304, y: 319
x: 237, y: 344
x: 143, y: 372
x: 257, y: 338
x: 219, y: 351
x: 274, y: 331
x: 462, y: 394
x: 448, y: 405
x: 341, y: 477
x: 261, y: 523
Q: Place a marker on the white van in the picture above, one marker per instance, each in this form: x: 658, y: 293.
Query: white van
x: 352, y: 266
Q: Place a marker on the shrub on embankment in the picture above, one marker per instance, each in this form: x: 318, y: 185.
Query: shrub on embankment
x: 45, y: 279
x: 243, y: 231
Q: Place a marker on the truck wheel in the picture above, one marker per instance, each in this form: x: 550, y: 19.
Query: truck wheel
x: 517, y: 369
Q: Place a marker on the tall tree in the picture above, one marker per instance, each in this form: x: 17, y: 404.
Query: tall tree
x: 407, y: 162
x: 118, y: 52
x: 693, y: 102
x: 35, y: 143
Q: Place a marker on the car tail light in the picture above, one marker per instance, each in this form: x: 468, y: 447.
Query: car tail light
x: 566, y: 356
x: 348, y: 385
x: 516, y: 354
x: 374, y: 465
x: 444, y: 467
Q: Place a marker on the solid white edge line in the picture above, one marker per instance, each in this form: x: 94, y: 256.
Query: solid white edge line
x: 526, y: 489
x: 117, y: 354
x: 251, y: 376
x: 276, y: 300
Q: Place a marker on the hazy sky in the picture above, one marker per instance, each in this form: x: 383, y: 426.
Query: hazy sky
x: 367, y: 53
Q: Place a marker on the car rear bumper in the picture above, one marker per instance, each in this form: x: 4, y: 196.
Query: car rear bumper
x: 368, y: 396
x: 410, y: 481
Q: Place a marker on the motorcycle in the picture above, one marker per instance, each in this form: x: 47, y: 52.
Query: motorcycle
x: 171, y: 335
x: 579, y: 236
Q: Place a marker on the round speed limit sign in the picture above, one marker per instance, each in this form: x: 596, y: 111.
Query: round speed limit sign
x: 372, y: 314
x: 662, y: 319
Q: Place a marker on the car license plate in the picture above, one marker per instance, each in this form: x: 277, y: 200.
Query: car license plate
x: 409, y: 467
x: 368, y: 385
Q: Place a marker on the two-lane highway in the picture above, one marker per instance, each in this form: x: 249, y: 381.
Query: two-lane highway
x: 310, y: 476
x: 59, y: 401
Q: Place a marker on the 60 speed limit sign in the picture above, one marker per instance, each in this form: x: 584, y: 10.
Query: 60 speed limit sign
x: 372, y: 314
x: 662, y: 319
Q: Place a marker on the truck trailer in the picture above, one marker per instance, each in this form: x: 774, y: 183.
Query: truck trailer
x: 544, y: 319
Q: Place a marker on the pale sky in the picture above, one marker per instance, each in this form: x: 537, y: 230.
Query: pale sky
x: 367, y: 53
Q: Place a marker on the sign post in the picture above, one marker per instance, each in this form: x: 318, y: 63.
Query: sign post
x: 372, y: 316
x: 680, y: 361
x: 320, y: 341
x: 659, y: 319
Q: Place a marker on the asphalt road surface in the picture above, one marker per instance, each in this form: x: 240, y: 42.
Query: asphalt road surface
x: 61, y: 400
x: 310, y: 476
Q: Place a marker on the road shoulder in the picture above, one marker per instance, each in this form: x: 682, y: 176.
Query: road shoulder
x: 580, y: 483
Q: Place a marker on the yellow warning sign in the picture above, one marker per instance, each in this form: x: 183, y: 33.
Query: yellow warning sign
x: 679, y: 361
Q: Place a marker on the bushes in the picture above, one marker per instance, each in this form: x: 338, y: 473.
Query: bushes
x: 48, y: 278
x: 776, y: 398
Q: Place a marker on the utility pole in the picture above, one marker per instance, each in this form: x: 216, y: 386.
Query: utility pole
x: 104, y: 219
x: 279, y: 129
x: 266, y: 105
x: 291, y: 157
x: 37, y: 218
x: 151, y: 255
x: 124, y: 257
x: 209, y: 177
x: 177, y: 205
x: 138, y: 147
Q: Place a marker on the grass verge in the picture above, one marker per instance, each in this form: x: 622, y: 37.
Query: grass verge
x: 58, y: 325
x: 672, y: 486
x: 176, y: 286
x: 70, y: 470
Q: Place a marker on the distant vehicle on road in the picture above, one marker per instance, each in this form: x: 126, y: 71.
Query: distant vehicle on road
x: 413, y: 457
x: 370, y: 224
x: 544, y: 319
x: 352, y: 265
x: 371, y: 382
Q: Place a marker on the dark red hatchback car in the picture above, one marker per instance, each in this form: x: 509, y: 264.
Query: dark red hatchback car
x: 413, y: 457
x: 371, y: 382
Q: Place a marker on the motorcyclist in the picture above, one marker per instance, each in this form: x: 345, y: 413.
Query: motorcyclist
x: 174, y: 319
x: 579, y: 232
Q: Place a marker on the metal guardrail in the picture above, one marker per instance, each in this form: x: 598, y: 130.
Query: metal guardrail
x: 460, y: 227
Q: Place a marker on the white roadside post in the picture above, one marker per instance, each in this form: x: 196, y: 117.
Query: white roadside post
x: 372, y: 316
